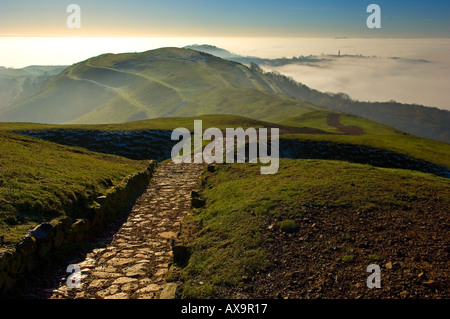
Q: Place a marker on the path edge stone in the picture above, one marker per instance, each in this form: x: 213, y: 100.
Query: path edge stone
x: 64, y: 235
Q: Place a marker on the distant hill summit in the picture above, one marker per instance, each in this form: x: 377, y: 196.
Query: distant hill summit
x: 211, y: 49
x: 114, y: 88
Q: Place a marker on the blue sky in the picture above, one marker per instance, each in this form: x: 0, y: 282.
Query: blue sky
x: 401, y: 18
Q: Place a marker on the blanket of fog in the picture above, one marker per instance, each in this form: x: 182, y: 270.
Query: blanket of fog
x: 407, y: 71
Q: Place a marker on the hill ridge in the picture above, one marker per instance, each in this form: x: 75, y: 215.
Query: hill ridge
x: 150, y: 85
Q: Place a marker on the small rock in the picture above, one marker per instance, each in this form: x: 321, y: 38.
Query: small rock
x: 123, y: 280
x: 120, y: 261
x: 80, y: 295
x: 149, y: 288
x: 168, y: 235
x: 106, y: 275
x: 169, y: 291
x: 111, y: 290
x: 98, y: 283
x: 130, y: 287
x: 136, y: 270
x: 160, y: 272
x: 389, y: 265
x: 146, y: 296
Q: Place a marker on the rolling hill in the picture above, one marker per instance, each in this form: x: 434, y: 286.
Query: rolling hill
x: 18, y: 85
x: 195, y: 80
x: 166, y: 82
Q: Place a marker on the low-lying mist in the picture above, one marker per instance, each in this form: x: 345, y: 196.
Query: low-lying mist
x: 410, y: 71
x: 377, y: 79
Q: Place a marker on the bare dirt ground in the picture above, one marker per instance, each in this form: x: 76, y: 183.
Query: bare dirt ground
x: 327, y: 257
x: 334, y: 120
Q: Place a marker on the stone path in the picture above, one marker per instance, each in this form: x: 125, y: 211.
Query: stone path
x: 134, y: 263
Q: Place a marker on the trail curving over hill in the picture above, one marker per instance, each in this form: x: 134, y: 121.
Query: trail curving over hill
x: 334, y: 119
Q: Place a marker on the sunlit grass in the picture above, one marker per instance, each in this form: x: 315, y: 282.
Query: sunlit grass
x: 40, y: 181
x: 238, y: 200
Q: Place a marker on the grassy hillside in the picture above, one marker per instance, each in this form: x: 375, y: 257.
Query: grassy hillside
x: 18, y: 85
x: 375, y: 135
x: 39, y: 176
x: 40, y: 181
x: 114, y: 88
x: 298, y: 128
x: 169, y: 123
x: 280, y: 235
x: 426, y: 122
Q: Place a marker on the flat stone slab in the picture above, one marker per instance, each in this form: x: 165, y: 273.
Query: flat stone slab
x: 168, y: 235
x: 169, y: 291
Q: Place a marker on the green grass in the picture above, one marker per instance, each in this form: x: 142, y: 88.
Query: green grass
x: 347, y: 259
x: 220, y: 121
x: 376, y: 135
x: 416, y: 147
x: 116, y: 88
x: 40, y: 181
x: 238, y: 198
x: 316, y: 119
x: 374, y: 257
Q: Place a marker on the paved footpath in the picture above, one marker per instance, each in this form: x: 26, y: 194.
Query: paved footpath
x: 134, y: 263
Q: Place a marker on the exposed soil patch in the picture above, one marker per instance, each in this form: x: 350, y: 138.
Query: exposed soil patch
x: 334, y: 119
x: 328, y: 255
